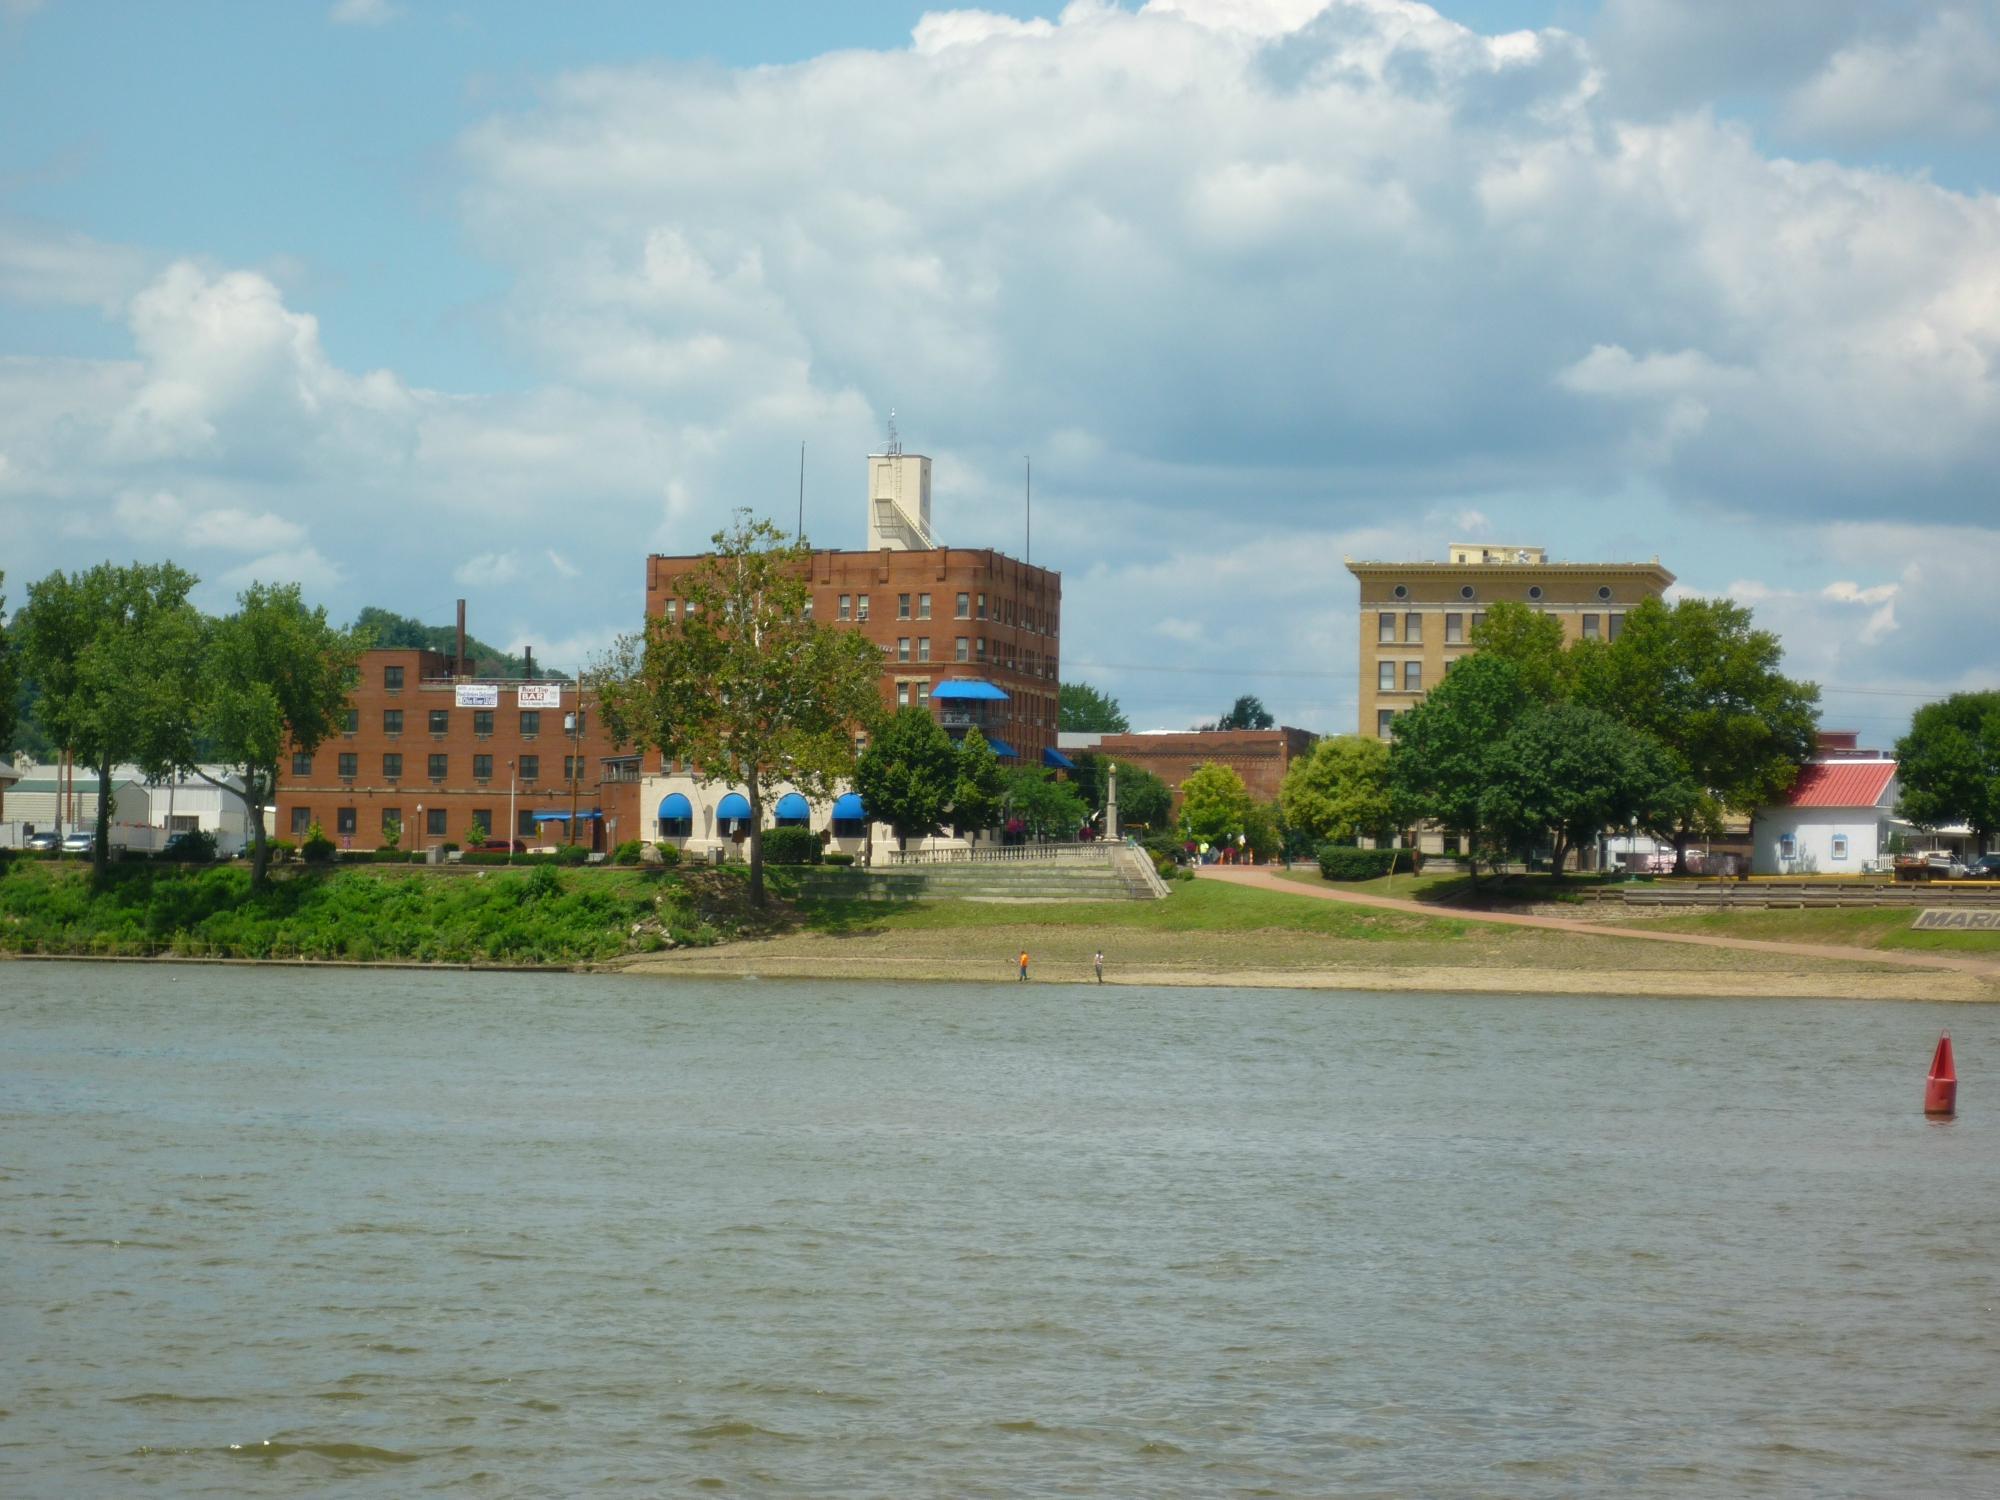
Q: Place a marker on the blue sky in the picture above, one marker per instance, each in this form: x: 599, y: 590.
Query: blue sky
x: 410, y: 301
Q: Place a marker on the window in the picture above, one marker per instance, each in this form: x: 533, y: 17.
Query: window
x: 980, y: 648
x: 902, y: 606
x: 1478, y: 623
x: 392, y: 679
x: 437, y: 767
x: 965, y: 606
x: 440, y: 721
x: 923, y: 692
x: 531, y: 721
x: 861, y: 607
x: 524, y: 824
x: 350, y: 721
x: 392, y: 721
x: 392, y: 823
x: 1385, y: 677
x: 964, y: 649
x: 923, y: 648
x: 1413, y: 627
x: 1466, y: 592
x: 302, y: 765
x: 1450, y: 844
x: 572, y: 767
x: 1788, y: 847
x: 482, y: 721
x: 1385, y: 626
x: 981, y: 611
x: 345, y: 822
x: 1840, y: 846
x: 1385, y: 723
x: 846, y: 605
x: 434, y: 822
x: 482, y: 768
x: 350, y: 764
x: 902, y: 695
x: 1590, y: 627
x: 673, y: 609
x: 301, y: 821
x: 1413, y: 677
x: 1454, y: 629
x: 392, y: 766
x: 1604, y: 591
x: 1534, y: 591
x: 902, y: 648
x: 531, y: 768
x: 1401, y: 591
x: 923, y: 606
x: 692, y: 606
x: 807, y: 612
x: 1614, y: 626
x: 482, y: 819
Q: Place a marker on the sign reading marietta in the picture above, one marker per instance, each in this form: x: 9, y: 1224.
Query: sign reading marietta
x: 477, y: 695
x: 1972, y: 921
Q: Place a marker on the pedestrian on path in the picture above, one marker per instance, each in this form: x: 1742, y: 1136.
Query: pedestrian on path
x: 1097, y: 962
x: 1024, y: 966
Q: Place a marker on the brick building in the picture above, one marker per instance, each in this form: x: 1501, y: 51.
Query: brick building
x: 430, y: 751
x: 1260, y: 756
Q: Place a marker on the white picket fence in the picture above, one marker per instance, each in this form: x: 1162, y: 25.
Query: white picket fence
x: 1095, y: 852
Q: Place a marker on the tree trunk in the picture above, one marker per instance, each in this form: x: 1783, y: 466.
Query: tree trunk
x: 1681, y: 836
x: 756, y: 845
x: 100, y: 856
x: 260, y: 851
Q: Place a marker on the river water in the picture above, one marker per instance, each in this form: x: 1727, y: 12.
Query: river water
x: 275, y: 1232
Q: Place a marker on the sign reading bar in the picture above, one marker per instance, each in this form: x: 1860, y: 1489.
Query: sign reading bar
x: 1935, y: 918
x: 539, y: 695
x: 477, y: 695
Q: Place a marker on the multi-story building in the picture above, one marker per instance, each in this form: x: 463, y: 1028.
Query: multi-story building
x: 429, y: 752
x: 1260, y: 756
x: 1417, y: 618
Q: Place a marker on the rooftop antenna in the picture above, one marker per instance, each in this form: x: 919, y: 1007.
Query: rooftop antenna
x: 895, y: 442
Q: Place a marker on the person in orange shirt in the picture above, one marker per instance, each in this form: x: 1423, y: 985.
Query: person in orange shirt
x: 1024, y: 966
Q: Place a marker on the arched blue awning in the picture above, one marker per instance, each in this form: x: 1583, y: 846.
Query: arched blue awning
x: 1002, y: 750
x: 847, y: 808
x: 735, y: 805
x: 674, y: 805
x: 791, y: 807
x: 1056, y: 760
x: 969, y: 687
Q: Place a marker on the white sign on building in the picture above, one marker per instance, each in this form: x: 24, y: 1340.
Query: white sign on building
x: 539, y: 695
x: 477, y: 695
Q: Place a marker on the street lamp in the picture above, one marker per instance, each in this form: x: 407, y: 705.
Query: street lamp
x: 513, y: 823
x: 1632, y: 848
x: 420, y: 832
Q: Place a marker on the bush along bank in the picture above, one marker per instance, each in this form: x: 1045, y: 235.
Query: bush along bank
x: 1347, y: 862
x: 540, y: 916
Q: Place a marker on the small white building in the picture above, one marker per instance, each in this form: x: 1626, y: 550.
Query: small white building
x: 1835, y: 821
x: 144, y: 814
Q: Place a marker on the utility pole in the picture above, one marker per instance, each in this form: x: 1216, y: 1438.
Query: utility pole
x: 575, y: 727
x: 513, y: 823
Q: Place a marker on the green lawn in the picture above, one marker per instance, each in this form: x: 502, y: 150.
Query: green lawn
x: 1860, y: 927
x: 1492, y: 891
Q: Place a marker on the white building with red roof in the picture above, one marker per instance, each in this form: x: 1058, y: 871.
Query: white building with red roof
x: 1837, y: 818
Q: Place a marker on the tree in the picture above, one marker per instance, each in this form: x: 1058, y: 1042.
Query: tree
x: 275, y: 679
x: 746, y: 684
x: 980, y: 791
x: 1531, y: 640
x: 1444, y: 754
x: 1046, y: 808
x: 1144, y: 801
x: 116, y: 652
x: 382, y: 627
x: 1082, y: 709
x: 1215, y: 805
x: 1263, y: 833
x: 1703, y: 683
x: 1247, y: 712
x: 1340, y: 791
x: 1949, y: 765
x: 907, y: 774
x: 10, y: 675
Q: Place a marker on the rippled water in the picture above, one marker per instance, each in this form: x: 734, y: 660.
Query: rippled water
x: 264, y: 1232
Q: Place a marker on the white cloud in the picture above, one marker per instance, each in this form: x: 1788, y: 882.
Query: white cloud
x: 1943, y: 80
x: 361, y: 12
x: 43, y: 265
x: 487, y: 568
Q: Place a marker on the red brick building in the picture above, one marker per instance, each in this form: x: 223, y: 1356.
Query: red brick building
x: 1260, y: 756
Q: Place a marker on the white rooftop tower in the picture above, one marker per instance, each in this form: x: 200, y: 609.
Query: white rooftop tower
x: 899, y: 498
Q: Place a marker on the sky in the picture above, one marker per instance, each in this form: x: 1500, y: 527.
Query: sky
x: 408, y: 301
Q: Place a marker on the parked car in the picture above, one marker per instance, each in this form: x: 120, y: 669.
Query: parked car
x: 46, y: 839
x: 1986, y: 867
x: 79, y: 841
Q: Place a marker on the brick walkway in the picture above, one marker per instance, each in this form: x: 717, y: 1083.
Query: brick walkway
x: 1962, y: 963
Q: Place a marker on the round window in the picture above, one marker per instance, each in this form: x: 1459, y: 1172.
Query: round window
x: 1604, y: 591
x: 1402, y: 591
x: 1466, y: 592
x: 1535, y: 591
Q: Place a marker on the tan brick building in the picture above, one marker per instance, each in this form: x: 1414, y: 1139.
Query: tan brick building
x: 1417, y: 618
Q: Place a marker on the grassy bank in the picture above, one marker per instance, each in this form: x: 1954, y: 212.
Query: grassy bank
x: 1860, y: 928
x: 366, y: 914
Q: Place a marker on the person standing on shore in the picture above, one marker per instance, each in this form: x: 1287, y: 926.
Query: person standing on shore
x: 1024, y: 966
x: 1097, y: 963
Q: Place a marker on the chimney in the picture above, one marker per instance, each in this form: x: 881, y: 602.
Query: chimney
x: 458, y: 662
x: 528, y: 662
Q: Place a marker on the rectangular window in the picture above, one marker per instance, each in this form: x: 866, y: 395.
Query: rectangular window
x: 350, y: 764
x: 531, y: 721
x: 1385, y: 676
x: 392, y: 823
x: 1385, y: 722
x: 1614, y: 626
x: 846, y: 604
x: 980, y: 648
x: 923, y: 692
x: 965, y: 606
x: 1413, y: 628
x: 350, y: 721
x: 807, y: 612
x: 982, y: 606
x: 1413, y: 677
x: 437, y: 767
x: 1478, y: 623
x: 923, y: 606
x: 482, y: 768
x: 902, y: 606
x: 572, y: 767
x: 923, y: 648
x: 673, y: 609
x: 902, y: 648
x: 482, y: 721
x: 392, y: 721
x: 392, y: 679
x: 440, y: 721
x: 1454, y: 630
x: 1590, y: 627
x: 434, y: 822
x: 964, y: 649
x: 531, y: 768
x: 482, y: 819
x: 345, y: 822
x: 1840, y: 846
x: 301, y: 821
x: 902, y: 695
x: 861, y: 607
x: 1385, y: 626
x: 392, y: 766
x: 1788, y: 847
x: 524, y: 825
x: 302, y: 765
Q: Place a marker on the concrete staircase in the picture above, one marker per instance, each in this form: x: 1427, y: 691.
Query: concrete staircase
x: 1011, y: 881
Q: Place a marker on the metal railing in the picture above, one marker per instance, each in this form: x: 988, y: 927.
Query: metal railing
x: 1095, y: 852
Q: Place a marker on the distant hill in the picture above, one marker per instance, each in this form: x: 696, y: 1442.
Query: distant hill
x: 386, y: 628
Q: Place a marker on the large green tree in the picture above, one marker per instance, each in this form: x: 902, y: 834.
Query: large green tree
x: 1144, y: 801
x: 1247, y: 712
x: 979, y: 793
x: 1445, y: 753
x: 1340, y: 791
x: 1082, y: 709
x: 275, y: 678
x: 1531, y: 640
x: 1046, y: 808
x: 383, y: 627
x: 907, y: 774
x: 746, y: 684
x: 116, y: 652
x: 1705, y: 683
x: 1949, y: 765
x: 1215, y: 805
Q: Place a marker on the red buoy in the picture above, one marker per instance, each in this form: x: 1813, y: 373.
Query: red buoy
x: 1941, y: 1088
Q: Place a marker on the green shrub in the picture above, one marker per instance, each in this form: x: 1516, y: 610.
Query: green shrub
x: 670, y: 854
x: 1347, y: 862
x: 572, y: 854
x: 196, y: 847
x: 281, y: 850
x: 318, y: 848
x: 627, y: 853
x: 791, y: 846
x: 836, y: 859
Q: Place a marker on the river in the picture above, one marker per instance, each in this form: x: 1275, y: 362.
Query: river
x: 278, y: 1231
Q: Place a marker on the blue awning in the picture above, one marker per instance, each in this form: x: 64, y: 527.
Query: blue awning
x: 792, y: 805
x: 1057, y: 759
x: 563, y: 817
x: 735, y: 805
x: 674, y: 805
x: 959, y: 687
x: 1004, y: 750
x: 847, y: 808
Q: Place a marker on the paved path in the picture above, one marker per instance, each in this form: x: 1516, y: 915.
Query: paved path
x: 1962, y: 963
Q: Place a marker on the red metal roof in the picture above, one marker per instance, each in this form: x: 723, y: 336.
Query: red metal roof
x: 1842, y: 783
